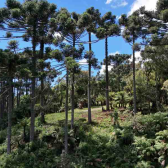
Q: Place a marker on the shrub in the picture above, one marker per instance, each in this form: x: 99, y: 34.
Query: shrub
x: 148, y: 125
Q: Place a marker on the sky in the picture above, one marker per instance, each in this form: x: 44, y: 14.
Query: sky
x: 117, y: 7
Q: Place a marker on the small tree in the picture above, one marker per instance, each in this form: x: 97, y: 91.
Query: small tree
x: 65, y: 55
x: 119, y: 62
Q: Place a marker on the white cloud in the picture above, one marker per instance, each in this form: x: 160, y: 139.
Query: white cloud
x: 108, y: 1
x: 83, y: 62
x: 149, y: 5
x: 138, y: 57
x: 119, y: 3
x: 103, y: 68
x: 116, y: 3
x: 57, y: 35
x: 118, y: 17
x: 117, y: 52
x: 123, y: 3
x: 66, y: 42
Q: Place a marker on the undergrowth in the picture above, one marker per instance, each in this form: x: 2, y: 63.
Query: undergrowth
x: 140, y: 142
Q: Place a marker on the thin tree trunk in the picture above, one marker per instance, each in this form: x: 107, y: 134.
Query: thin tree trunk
x: 24, y: 133
x: 32, y: 124
x: 134, y: 81
x: 66, y: 114
x: 1, y: 104
x: 107, y: 74
x: 19, y: 93
x: 7, y: 103
x: 26, y: 87
x: 17, y: 97
x: 9, y: 112
x: 147, y: 86
x: 42, y: 84
x: 89, y: 86
x: 61, y: 99
x: 0, y: 112
x: 157, y: 96
x: 72, y: 92
x: 13, y: 95
x: 118, y: 79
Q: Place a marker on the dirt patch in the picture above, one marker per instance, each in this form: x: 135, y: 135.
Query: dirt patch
x: 99, y: 116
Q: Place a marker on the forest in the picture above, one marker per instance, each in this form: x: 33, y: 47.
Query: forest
x: 56, y: 112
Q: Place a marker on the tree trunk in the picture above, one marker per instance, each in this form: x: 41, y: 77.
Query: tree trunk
x: 10, y: 104
x: 1, y: 113
x: 72, y: 92
x: 61, y: 99
x: 3, y: 106
x: 42, y: 84
x: 24, y: 133
x: 17, y: 97
x: 32, y: 124
x: 107, y: 74
x: 26, y: 86
x: 147, y: 86
x: 157, y: 95
x: 6, y: 103
x: 134, y: 81
x: 89, y: 86
x: 66, y: 114
x: 13, y: 95
x: 118, y: 78
x: 1, y: 103
x: 19, y: 93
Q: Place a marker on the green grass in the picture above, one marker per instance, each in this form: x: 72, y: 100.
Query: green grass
x: 53, y: 120
x: 79, y: 113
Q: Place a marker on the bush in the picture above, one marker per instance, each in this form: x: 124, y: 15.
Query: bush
x: 92, y: 145
x: 144, y: 165
x: 148, y: 125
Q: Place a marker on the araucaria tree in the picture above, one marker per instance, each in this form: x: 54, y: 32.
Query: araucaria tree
x: 107, y: 28
x: 132, y: 31
x: 156, y: 48
x: 119, y: 67
x: 70, y: 31
x: 44, y: 37
x: 89, y: 21
x: 28, y: 16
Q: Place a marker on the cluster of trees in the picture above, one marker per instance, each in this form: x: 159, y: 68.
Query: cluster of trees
x: 27, y: 74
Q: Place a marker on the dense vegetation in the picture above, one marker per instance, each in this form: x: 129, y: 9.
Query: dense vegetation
x: 55, y: 114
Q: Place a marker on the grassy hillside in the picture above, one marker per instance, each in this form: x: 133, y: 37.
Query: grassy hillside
x: 114, y: 140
